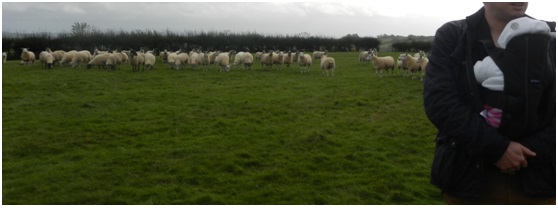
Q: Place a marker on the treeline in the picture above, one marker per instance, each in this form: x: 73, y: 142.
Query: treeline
x: 410, y: 43
x: 150, y: 39
x: 412, y: 46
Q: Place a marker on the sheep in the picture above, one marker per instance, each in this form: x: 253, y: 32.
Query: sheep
x: 100, y: 60
x: 327, y: 64
x: 422, y: 61
x: 364, y: 56
x: 58, y: 55
x: 288, y: 59
x: 127, y: 53
x: 232, y: 54
x: 419, y: 54
x: 266, y: 60
x: 277, y: 59
x: 164, y: 55
x: 4, y: 57
x: 46, y: 59
x: 223, y: 61
x: 67, y: 58
x: 97, y: 52
x: 318, y: 54
x: 136, y: 60
x: 247, y: 60
x: 212, y: 55
x: 401, y: 65
x: 258, y: 55
x: 149, y: 60
x: 304, y: 61
x: 171, y: 59
x: 181, y: 60
x: 382, y: 64
x: 81, y: 57
x: 124, y: 57
x: 411, y: 64
x: 27, y: 57
x: 203, y: 60
x: 238, y: 58
x: 294, y: 57
x: 194, y: 59
x: 113, y: 61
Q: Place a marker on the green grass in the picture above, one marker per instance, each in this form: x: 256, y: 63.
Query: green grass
x: 76, y: 136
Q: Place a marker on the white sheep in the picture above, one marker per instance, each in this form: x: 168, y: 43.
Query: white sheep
x: 124, y: 57
x: 4, y: 57
x: 288, y: 59
x: 382, y: 64
x: 277, y: 59
x: 223, y: 61
x: 232, y: 54
x: 304, y: 61
x: 27, y: 57
x: 411, y: 64
x: 171, y: 59
x: 67, y: 58
x: 258, y: 55
x: 247, y: 60
x: 180, y: 61
x: 164, y: 55
x: 149, y: 60
x: 400, y: 62
x: 81, y: 57
x: 136, y: 60
x: 194, y: 59
x: 211, y: 56
x: 46, y: 59
x: 365, y: 56
x: 58, y: 55
x: 266, y: 60
x: 422, y: 62
x: 294, y: 57
x: 327, y: 64
x: 238, y: 59
x: 100, y: 60
x: 203, y: 60
x: 113, y: 61
x: 318, y: 54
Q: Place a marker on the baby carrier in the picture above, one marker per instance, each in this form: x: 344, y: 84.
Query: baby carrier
x: 528, y: 98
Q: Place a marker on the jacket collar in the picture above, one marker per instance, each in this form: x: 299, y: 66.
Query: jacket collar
x: 474, y: 20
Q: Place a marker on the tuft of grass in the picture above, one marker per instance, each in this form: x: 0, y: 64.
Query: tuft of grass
x: 77, y: 136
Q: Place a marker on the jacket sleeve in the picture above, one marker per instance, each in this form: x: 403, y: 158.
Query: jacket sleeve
x: 445, y: 96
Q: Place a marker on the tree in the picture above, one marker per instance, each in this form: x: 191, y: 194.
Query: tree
x: 81, y: 29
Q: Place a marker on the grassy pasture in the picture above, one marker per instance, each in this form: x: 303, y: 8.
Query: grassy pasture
x: 77, y: 136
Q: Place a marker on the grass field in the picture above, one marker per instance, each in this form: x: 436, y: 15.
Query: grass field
x: 77, y: 136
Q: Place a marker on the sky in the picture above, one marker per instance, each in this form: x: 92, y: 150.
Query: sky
x: 318, y: 18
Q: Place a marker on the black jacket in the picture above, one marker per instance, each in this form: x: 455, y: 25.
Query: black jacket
x: 466, y: 144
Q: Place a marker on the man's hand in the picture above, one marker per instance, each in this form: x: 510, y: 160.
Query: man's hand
x: 513, y: 158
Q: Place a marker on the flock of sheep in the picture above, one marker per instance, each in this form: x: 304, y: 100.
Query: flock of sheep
x: 111, y: 60
x: 409, y: 65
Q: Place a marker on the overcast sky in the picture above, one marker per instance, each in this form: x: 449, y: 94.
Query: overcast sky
x: 330, y: 19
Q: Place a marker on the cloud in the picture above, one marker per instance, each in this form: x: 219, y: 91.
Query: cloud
x: 367, y: 18
x: 74, y: 9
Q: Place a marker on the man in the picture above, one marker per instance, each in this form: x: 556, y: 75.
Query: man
x: 475, y: 162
